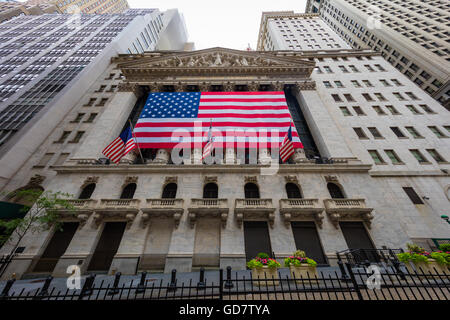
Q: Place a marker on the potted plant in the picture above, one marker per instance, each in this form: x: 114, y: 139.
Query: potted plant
x: 424, y: 261
x: 264, y: 268
x: 302, y: 268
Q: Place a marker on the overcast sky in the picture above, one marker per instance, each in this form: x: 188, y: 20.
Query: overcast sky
x: 230, y: 23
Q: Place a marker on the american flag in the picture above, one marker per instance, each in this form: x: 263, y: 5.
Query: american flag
x: 287, y: 147
x: 120, y: 146
x: 207, y: 150
x: 239, y: 119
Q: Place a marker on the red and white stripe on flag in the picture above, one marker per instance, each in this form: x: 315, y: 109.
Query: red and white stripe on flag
x: 286, y: 149
x: 207, y: 150
x: 120, y: 146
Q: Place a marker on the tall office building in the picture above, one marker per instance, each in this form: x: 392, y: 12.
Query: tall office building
x: 10, y: 9
x: 411, y: 35
x: 47, y: 63
x: 373, y: 171
x: 82, y: 6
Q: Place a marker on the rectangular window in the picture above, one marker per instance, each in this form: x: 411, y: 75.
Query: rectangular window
x: 436, y: 156
x: 336, y: 97
x: 91, y: 117
x: 426, y: 108
x: 343, y: 69
x: 437, y: 132
x: 379, y: 67
x: 77, y: 137
x: 349, y: 97
x: 376, y: 157
x: 327, y: 84
x: 345, y: 111
x: 353, y: 68
x: 412, y: 109
x: 376, y: 134
x: 396, y: 82
x: 398, y: 96
x: 393, y: 156
x: 413, y: 196
x: 360, y: 133
x: 78, y: 118
x: 378, y: 110
x: 385, y: 83
x: 379, y: 96
x: 63, y: 137
x: 392, y: 110
x: 418, y: 155
x: 367, y: 97
x: 356, y: 84
x: 398, y: 132
x: 414, y: 132
x: 91, y: 102
x: 359, y: 111
x: 412, y: 95
x: 339, y: 84
x: 368, y: 67
x: 102, y: 102
x: 367, y: 83
x: 328, y: 69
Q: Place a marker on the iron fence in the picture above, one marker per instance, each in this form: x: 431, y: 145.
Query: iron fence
x: 361, y: 284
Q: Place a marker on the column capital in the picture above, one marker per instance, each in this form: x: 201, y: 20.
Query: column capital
x: 130, y: 87
x: 306, y: 85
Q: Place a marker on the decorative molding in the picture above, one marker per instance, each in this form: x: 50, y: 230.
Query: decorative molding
x: 129, y: 180
x: 89, y: 180
x: 173, y: 179
x: 331, y: 179
x: 291, y: 178
x: 253, y: 179
x: 209, y: 179
x: 35, y: 182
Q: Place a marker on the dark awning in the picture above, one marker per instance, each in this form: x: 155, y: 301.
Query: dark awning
x: 9, y: 210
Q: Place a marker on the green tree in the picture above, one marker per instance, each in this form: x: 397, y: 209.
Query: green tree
x: 42, y: 212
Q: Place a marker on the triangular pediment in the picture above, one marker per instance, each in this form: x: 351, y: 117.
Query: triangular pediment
x: 218, y: 59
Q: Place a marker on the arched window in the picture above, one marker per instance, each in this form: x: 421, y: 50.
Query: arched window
x: 335, y: 191
x: 87, y: 191
x: 210, y: 191
x: 169, y: 191
x: 251, y: 190
x: 293, y: 191
x: 128, y: 191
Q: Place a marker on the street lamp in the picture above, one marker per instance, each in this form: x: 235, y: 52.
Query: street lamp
x: 446, y: 218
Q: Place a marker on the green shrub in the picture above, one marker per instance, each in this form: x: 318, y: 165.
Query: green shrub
x: 445, y: 247
x: 414, y: 257
x: 263, y: 255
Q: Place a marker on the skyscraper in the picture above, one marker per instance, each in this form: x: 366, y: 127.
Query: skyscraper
x: 411, y: 35
x: 80, y: 6
x: 11, y: 8
x: 48, y: 61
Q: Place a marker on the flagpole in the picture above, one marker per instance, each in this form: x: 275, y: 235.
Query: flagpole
x: 137, y: 144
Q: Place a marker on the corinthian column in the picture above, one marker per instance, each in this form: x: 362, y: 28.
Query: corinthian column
x: 230, y: 156
x: 263, y: 156
x: 129, y: 158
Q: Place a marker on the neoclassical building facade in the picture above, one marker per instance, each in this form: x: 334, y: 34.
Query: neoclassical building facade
x: 339, y: 192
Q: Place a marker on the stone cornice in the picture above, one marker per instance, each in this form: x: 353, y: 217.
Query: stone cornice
x: 211, y: 169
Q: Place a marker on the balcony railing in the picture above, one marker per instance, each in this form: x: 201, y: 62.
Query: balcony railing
x: 340, y: 209
x: 82, y: 209
x: 301, y: 209
x: 254, y: 208
x: 123, y: 208
x: 208, y: 208
x: 173, y: 208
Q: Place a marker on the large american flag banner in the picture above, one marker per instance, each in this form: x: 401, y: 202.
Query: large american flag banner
x: 238, y: 119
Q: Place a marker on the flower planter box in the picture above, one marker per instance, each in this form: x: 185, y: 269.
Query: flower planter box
x: 432, y: 267
x: 265, y: 273
x: 304, y: 274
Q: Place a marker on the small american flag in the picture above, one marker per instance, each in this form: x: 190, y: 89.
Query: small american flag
x: 287, y: 147
x: 207, y: 150
x: 120, y: 146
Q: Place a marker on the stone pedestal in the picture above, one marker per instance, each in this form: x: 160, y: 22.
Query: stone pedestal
x: 264, y: 156
x: 299, y: 155
x: 162, y: 156
x: 230, y: 156
x: 129, y: 158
